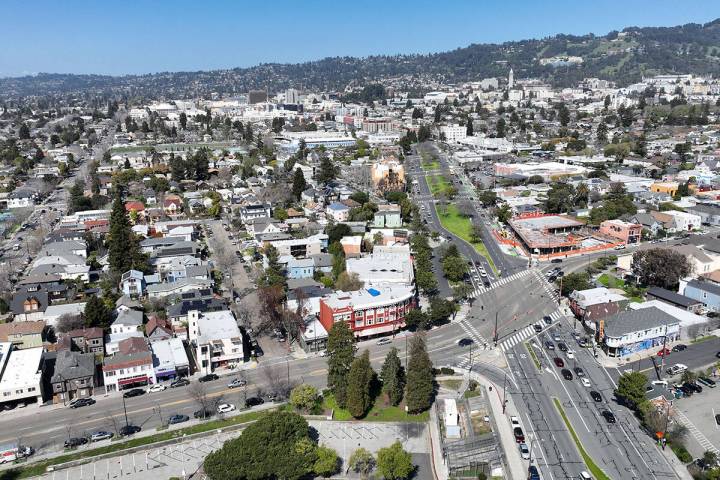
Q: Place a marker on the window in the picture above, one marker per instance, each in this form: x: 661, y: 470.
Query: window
x: 110, y: 374
x: 31, y: 389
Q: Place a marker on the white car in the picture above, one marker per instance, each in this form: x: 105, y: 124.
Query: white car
x: 514, y: 421
x: 585, y: 382
x: 323, y: 353
x: 570, y: 354
x: 524, y: 451
x: 156, y: 388
x: 225, y: 408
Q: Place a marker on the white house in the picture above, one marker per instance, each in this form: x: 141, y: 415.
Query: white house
x: 216, y: 338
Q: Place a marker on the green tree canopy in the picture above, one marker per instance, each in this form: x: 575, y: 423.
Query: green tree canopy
x: 394, y: 463
x: 661, y: 267
x: 359, y: 383
x: 392, y: 376
x: 631, y: 388
x: 304, y: 397
x: 419, y: 388
x: 341, y: 352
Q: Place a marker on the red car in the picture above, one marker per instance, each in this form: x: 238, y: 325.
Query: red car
x: 559, y: 362
x: 663, y: 352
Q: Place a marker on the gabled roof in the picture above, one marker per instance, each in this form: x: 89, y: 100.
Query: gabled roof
x: 71, y: 365
x: 129, y: 317
x: 672, y: 297
x: 637, y: 320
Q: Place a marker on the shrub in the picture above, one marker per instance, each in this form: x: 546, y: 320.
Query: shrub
x: 447, y: 371
x: 682, y: 453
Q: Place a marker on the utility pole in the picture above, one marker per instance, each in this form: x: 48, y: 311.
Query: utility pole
x: 495, y: 334
x: 125, y: 410
x: 662, y: 358
x: 504, y: 393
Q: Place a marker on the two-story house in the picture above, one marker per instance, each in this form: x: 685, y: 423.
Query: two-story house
x: 74, y: 377
x: 215, y: 338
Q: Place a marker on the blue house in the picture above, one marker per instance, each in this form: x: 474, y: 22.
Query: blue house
x: 706, y: 292
x: 301, y: 268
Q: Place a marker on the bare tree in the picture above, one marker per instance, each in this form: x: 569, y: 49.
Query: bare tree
x: 466, y: 208
x: 68, y: 322
x: 277, y: 380
x: 113, y: 421
x: 199, y: 394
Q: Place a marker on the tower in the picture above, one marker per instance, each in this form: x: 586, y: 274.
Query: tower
x: 511, y: 80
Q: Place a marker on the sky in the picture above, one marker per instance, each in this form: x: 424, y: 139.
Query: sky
x: 132, y: 36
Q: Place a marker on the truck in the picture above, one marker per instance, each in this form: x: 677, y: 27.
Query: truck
x: 13, y: 451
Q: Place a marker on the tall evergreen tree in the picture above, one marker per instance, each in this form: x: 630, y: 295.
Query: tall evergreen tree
x: 393, y: 377
x: 469, y: 130
x: 419, y: 389
x: 299, y: 183
x: 96, y: 314
x: 359, y: 383
x: 123, y: 248
x: 327, y: 170
x: 341, y: 351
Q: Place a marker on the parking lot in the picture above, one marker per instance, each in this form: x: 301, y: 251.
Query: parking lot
x: 698, y: 414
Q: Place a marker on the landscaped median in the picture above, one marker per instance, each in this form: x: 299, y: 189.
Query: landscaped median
x: 438, y: 184
x: 28, y: 470
x: 595, y: 471
x: 533, y: 355
x: 457, y: 224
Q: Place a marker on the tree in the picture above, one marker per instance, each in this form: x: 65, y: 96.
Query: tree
x: 469, y: 129
x: 487, y: 197
x: 503, y: 213
x: 417, y: 319
x: 327, y: 463
x: 183, y: 120
x: 278, y: 445
x: 660, y: 267
x: 394, y: 463
x: 419, y: 389
x: 631, y: 389
x: 68, y: 322
x: 24, y: 132
x: 304, y: 397
x: 299, y: 183
x: 601, y: 133
x: 96, y: 313
x: 454, y: 267
x: 362, y: 462
x: 327, y: 171
x: 123, y: 248
x: 575, y: 281
x: 359, y: 383
x: 500, y: 127
x: 341, y: 352
x: 392, y: 376
x: 348, y: 282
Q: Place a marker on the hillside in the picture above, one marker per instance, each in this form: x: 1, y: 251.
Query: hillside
x: 623, y: 57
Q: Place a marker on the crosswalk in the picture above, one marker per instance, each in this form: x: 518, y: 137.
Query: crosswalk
x: 525, y: 333
x: 472, y: 332
x: 549, y: 288
x: 503, y: 281
x: 699, y: 436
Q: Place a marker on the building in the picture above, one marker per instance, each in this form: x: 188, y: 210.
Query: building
x: 23, y: 334
x: 255, y: 210
x: 706, y: 292
x: 674, y: 221
x: 216, y: 339
x: 380, y: 268
x: 387, y: 218
x: 692, y: 325
x: 371, y: 311
x: 635, y: 331
x: 674, y: 299
x: 300, y: 268
x: 453, y: 133
x: 169, y: 359
x: 351, y: 245
x: 547, y: 235
x: 75, y: 376
x: 709, y: 213
x: 257, y: 96
x: 84, y: 340
x: 388, y: 174
x: 132, y: 283
x: 596, y: 303
x: 130, y: 367
x: 21, y: 198
x: 21, y: 381
x: 300, y: 247
x: 377, y: 125
x: 626, y: 232
x: 337, y: 211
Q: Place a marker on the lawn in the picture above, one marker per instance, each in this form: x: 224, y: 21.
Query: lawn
x: 632, y: 293
x: 451, y: 384
x: 431, y: 165
x: 611, y: 281
x: 38, y: 468
x: 462, y: 227
x: 595, y: 471
x: 438, y: 184
x: 378, y: 413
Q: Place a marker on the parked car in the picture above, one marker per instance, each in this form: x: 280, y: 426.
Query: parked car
x: 524, y: 451
x: 82, y: 402
x: 75, y: 442
x: 533, y: 473
x: 514, y: 421
x: 609, y: 416
x: 567, y: 374
x: 208, y: 378
x: 128, y: 430
x: 559, y: 362
x: 156, y: 388
x: 180, y: 382
x: 595, y: 396
x: 519, y: 435
x: 707, y: 382
x: 383, y: 341
x: 203, y: 413
x: 694, y: 386
x: 101, y: 435
x: 237, y: 382
x: 717, y: 418
x: 676, y: 369
x: 177, y: 419
x: 570, y: 354
x: 225, y: 408
x: 135, y: 392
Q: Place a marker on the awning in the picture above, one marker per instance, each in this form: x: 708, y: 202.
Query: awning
x: 131, y: 380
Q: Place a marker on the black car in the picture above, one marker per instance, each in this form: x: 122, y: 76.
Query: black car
x: 82, y: 402
x: 687, y: 391
x: 538, y: 328
x: 609, y: 416
x: 549, y: 345
x: 567, y: 374
x: 180, y: 382
x: 717, y: 418
x: 694, y: 386
x: 129, y: 430
x: 135, y: 392
x: 547, y: 320
x: 178, y: 419
x: 203, y: 413
x: 75, y: 442
x: 254, y: 401
x: 208, y: 378
x: 464, y: 342
x: 556, y: 260
x: 562, y: 347
x: 679, y: 347
x: 579, y: 372
x: 595, y: 396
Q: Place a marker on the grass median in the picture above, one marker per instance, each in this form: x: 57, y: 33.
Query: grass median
x: 29, y: 470
x: 438, y: 184
x: 533, y: 355
x: 461, y: 226
x: 595, y: 471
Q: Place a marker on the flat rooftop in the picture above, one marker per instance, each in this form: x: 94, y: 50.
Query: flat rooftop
x: 540, y: 232
x: 22, y: 369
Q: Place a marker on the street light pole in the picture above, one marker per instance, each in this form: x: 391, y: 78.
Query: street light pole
x: 504, y: 393
x: 125, y: 410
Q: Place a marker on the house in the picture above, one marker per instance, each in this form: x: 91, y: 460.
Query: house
x: 371, y: 311
x: 596, y: 303
x: 674, y: 299
x: 126, y: 325
x: 255, y: 210
x: 338, y: 212
x: 84, y: 340
x: 132, y: 366
x: 648, y: 222
x: 215, y: 338
x: 177, y: 313
x: 169, y: 359
x: 74, y: 376
x: 172, y: 205
x: 21, y: 198
x: 29, y: 303
x: 351, y: 245
x: 158, y: 329
x: 68, y: 265
x: 305, y: 300
x: 323, y: 262
x: 132, y: 283
x: 135, y: 209
x: 628, y: 233
x: 706, y: 292
x: 67, y: 247
x: 383, y: 266
x: 21, y: 381
x: 301, y: 247
x: 674, y: 221
x: 635, y: 331
x: 23, y: 334
x: 691, y: 324
x: 387, y: 218
x: 709, y: 213
x: 702, y: 261
x: 176, y: 289
x: 300, y: 268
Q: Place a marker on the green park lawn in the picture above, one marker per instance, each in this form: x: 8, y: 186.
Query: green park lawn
x: 431, y: 165
x: 611, y: 281
x: 459, y: 225
x: 379, y: 412
x: 438, y: 184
